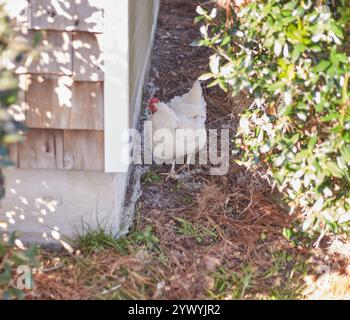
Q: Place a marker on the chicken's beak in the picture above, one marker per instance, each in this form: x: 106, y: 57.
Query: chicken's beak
x: 152, y: 107
x: 153, y: 104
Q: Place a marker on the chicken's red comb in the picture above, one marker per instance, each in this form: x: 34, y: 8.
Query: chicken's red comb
x: 154, y: 100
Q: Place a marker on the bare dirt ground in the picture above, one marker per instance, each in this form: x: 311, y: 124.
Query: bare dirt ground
x: 202, y: 237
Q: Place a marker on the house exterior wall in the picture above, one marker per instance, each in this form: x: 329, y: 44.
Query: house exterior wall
x: 77, y: 99
x: 87, y: 81
x: 62, y: 101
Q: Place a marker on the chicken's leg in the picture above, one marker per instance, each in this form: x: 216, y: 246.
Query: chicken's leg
x: 172, y: 173
x: 187, y: 163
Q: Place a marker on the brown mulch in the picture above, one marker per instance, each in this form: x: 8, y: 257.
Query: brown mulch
x: 238, y: 220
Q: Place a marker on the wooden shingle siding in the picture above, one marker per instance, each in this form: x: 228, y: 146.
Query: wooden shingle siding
x: 88, y: 97
x: 60, y: 149
x: 13, y: 151
x: 63, y: 15
x: 55, y: 53
x: 64, y: 104
x: 66, y: 87
x: 83, y: 150
x: 62, y: 101
x: 87, y: 57
x: 41, y: 149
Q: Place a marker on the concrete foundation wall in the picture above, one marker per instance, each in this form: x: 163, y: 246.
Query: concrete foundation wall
x: 43, y: 204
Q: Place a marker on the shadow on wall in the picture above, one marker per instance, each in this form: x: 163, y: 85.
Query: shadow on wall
x: 65, y: 73
x: 62, y: 86
x: 49, y: 208
x: 43, y: 207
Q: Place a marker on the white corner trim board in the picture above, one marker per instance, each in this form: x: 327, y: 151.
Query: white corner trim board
x: 147, y: 62
x: 116, y: 85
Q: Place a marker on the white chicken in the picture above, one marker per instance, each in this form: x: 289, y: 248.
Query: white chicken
x: 178, y: 128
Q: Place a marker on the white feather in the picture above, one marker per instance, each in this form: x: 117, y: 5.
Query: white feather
x: 188, y: 113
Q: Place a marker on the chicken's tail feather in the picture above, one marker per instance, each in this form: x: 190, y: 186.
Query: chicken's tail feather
x: 195, y: 94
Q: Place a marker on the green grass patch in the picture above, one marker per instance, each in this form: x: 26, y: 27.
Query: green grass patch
x: 197, y: 231
x: 99, y: 240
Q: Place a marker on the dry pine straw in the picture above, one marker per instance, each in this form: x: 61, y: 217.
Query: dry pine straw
x: 236, y: 224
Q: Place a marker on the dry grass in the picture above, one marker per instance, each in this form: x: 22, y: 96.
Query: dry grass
x: 199, y: 238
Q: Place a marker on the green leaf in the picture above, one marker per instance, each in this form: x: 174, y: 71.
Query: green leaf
x: 334, y: 169
x: 223, y: 84
x: 322, y: 66
x: 297, y: 51
x: 330, y: 117
x: 12, y: 138
x: 345, y: 152
x: 337, y: 30
x: 199, y: 19
x: 290, y: 5
x: 213, y: 83
x: 13, y: 293
x: 311, y: 144
x: 5, y: 276
x: 226, y: 41
x: 37, y: 38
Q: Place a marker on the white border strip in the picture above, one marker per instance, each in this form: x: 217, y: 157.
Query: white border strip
x: 116, y: 85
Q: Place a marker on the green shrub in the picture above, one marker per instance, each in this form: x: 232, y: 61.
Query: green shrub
x: 291, y: 57
x: 11, y: 52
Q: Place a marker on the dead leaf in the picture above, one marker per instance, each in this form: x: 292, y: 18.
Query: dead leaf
x: 212, y: 263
